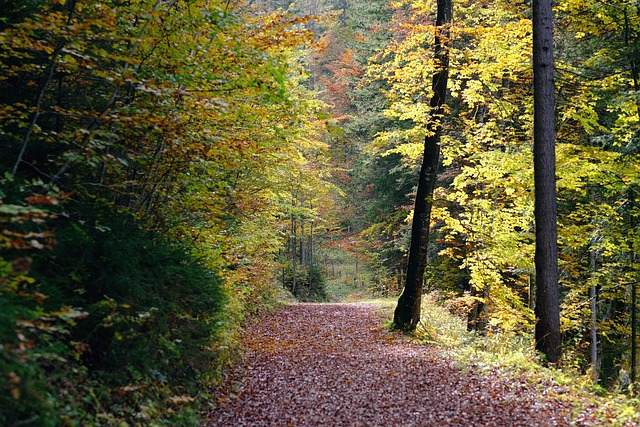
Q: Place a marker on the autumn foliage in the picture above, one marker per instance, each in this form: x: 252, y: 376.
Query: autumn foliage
x: 149, y: 154
x: 482, y: 249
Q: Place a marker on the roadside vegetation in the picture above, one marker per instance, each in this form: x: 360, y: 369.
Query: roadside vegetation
x: 508, y: 355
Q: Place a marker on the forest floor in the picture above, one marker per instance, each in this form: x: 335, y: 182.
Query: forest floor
x: 338, y: 365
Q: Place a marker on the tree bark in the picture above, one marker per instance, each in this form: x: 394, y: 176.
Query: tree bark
x: 635, y: 75
x: 293, y: 255
x: 547, y: 331
x: 632, y: 207
x: 593, y: 293
x: 477, y: 320
x: 633, y: 62
x: 594, y: 322
x: 303, y: 258
x: 634, y: 332
x: 407, y: 312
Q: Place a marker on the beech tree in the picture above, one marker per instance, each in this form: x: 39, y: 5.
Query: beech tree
x: 547, y: 334
x: 407, y: 312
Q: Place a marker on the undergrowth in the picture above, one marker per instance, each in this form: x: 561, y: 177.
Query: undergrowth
x: 515, y: 355
x: 112, y: 325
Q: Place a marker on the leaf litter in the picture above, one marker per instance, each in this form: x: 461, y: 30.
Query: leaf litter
x: 336, y: 365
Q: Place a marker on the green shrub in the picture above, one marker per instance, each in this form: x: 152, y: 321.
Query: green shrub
x: 148, y: 303
x: 112, y: 325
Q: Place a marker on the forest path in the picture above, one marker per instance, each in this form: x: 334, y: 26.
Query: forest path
x: 336, y: 365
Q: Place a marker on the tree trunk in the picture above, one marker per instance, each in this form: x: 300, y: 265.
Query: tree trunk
x: 632, y: 205
x: 293, y: 255
x: 477, y: 320
x: 635, y: 75
x: 593, y: 294
x: 303, y: 258
x: 594, y: 322
x: 311, y: 238
x: 548, y: 338
x: 407, y: 313
x: 634, y: 332
x: 633, y: 62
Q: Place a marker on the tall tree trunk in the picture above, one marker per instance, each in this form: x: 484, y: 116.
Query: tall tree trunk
x: 632, y: 207
x: 635, y: 75
x: 593, y: 294
x: 51, y: 69
x: 407, y: 312
x: 548, y: 338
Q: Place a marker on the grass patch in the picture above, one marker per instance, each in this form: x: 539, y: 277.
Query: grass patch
x: 346, y: 277
x: 514, y: 356
x: 339, y: 291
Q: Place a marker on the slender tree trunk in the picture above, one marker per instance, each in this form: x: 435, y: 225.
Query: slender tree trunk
x: 293, y: 255
x: 355, y: 279
x: 51, y: 69
x: 634, y: 302
x: 38, y: 106
x: 593, y: 294
x: 548, y: 338
x: 634, y: 332
x: 594, y: 334
x: 407, y: 312
x: 310, y: 261
x: 532, y: 292
x: 283, y: 262
x: 303, y: 258
x: 311, y: 238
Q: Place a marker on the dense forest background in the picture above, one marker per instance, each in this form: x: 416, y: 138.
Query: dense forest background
x: 169, y: 167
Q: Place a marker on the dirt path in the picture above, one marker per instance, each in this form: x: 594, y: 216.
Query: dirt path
x: 334, y: 365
